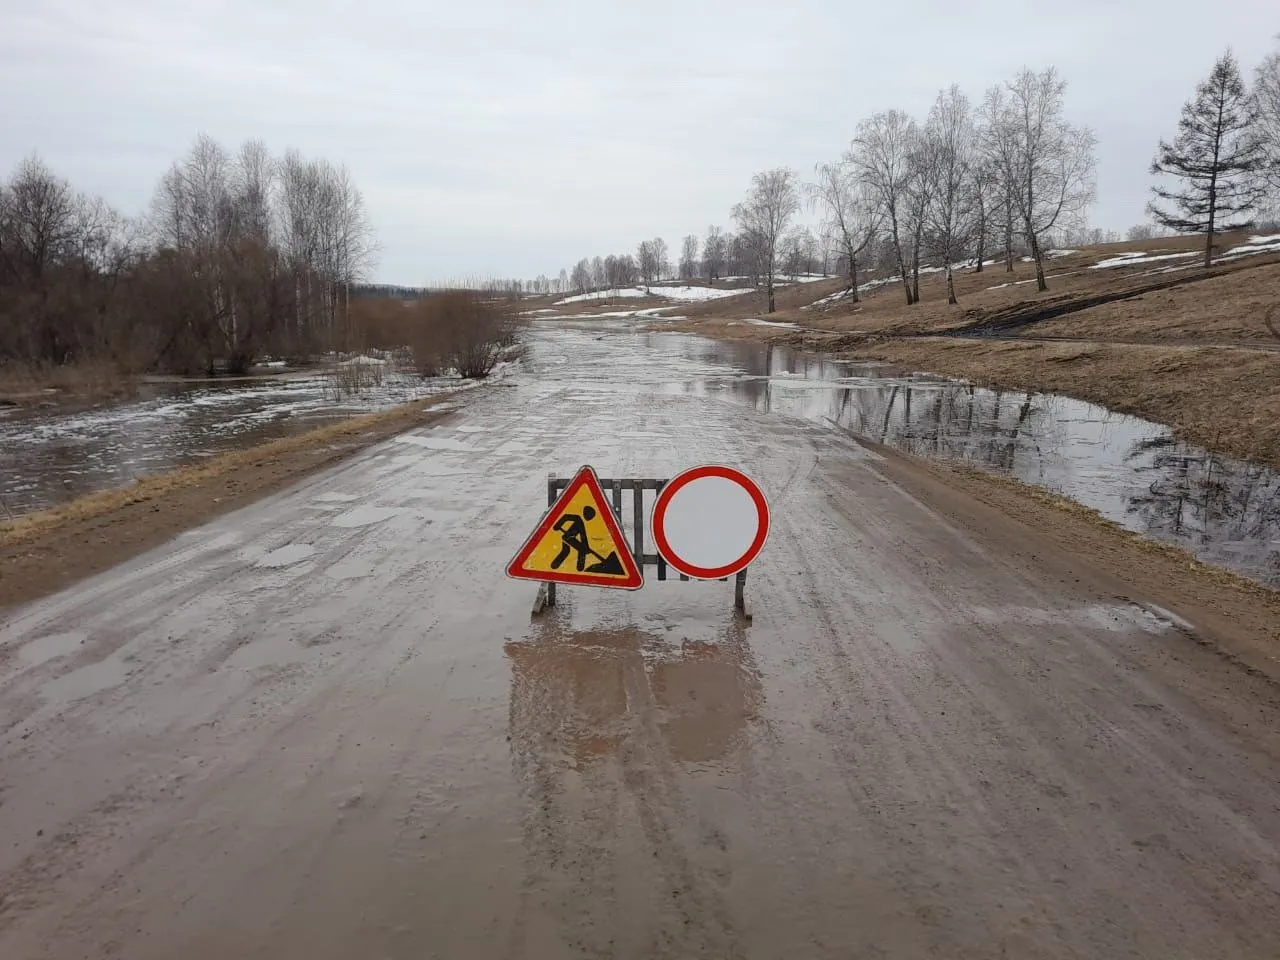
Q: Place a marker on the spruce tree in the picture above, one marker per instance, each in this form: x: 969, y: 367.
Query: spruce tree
x: 1217, y: 158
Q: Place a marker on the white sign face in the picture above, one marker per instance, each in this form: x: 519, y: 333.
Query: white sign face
x: 710, y: 522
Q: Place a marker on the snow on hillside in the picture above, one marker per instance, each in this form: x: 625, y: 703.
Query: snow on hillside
x: 1138, y: 256
x: 684, y: 294
x: 1254, y: 246
x: 1250, y: 248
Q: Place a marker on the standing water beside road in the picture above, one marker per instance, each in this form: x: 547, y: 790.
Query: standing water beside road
x: 51, y: 454
x: 1132, y: 471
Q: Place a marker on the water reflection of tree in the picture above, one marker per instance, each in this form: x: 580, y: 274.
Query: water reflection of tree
x: 1226, y: 509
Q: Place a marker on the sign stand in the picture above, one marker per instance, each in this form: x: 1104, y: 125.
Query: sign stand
x: 546, y: 596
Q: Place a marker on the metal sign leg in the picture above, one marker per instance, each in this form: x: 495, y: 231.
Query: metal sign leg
x: 739, y: 600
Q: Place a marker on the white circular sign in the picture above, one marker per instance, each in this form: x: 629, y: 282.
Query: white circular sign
x: 710, y: 522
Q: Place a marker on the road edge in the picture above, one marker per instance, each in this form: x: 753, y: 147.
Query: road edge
x: 47, y: 551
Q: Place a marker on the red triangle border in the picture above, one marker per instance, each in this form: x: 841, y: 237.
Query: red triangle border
x: 584, y: 477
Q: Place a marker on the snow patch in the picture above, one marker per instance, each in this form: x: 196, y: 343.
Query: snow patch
x: 1135, y: 257
x: 669, y: 293
x: 755, y: 321
x: 1254, y: 246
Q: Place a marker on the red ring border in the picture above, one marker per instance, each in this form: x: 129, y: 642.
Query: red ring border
x: 696, y: 473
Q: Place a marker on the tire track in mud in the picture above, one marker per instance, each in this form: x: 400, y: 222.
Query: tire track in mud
x: 1037, y: 740
x: 886, y: 748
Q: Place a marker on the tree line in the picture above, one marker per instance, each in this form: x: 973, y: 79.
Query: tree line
x: 239, y: 255
x: 976, y: 183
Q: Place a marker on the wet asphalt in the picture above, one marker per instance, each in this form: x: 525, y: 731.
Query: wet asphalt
x: 327, y: 725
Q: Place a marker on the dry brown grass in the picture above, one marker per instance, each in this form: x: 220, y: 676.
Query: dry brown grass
x: 884, y: 311
x: 1233, y: 308
x: 90, y: 380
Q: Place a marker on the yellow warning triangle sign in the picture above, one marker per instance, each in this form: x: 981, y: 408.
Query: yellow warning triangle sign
x: 579, y: 541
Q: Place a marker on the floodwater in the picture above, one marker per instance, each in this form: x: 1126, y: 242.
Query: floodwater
x: 50, y: 455
x: 1132, y: 471
x: 1224, y: 511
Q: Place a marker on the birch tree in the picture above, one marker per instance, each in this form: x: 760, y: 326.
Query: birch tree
x: 714, y: 252
x: 984, y: 203
x: 763, y: 218
x: 689, y: 257
x: 1266, y: 97
x: 948, y: 163
x: 882, y: 153
x: 1049, y: 164
x: 850, y: 216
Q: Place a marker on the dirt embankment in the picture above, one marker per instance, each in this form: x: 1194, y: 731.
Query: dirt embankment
x: 42, y: 552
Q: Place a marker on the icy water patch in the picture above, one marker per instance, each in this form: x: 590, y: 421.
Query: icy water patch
x: 50, y: 455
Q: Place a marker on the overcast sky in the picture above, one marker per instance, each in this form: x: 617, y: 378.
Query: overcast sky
x: 510, y: 137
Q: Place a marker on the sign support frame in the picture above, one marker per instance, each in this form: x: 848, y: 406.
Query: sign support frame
x: 546, y: 596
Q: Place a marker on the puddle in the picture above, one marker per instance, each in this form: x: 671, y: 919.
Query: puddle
x: 55, y: 645
x: 1226, y: 512
x: 287, y: 555
x: 87, y: 680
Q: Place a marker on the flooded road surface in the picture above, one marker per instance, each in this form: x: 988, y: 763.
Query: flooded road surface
x: 325, y: 726
x: 1224, y: 511
x: 51, y: 455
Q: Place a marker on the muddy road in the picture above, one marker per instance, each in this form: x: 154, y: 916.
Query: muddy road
x: 325, y: 726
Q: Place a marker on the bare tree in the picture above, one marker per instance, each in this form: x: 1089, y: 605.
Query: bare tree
x: 38, y: 230
x: 1266, y: 95
x: 581, y: 279
x: 998, y: 147
x: 1217, y: 157
x: 850, y: 215
x: 882, y: 154
x: 689, y: 257
x: 948, y: 163
x: 662, y: 262
x: 714, y: 252
x: 764, y: 216
x: 984, y: 201
x: 647, y: 261
x: 1048, y: 163
x: 918, y: 202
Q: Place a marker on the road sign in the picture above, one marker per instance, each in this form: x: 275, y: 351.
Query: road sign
x: 579, y: 541
x: 710, y: 522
